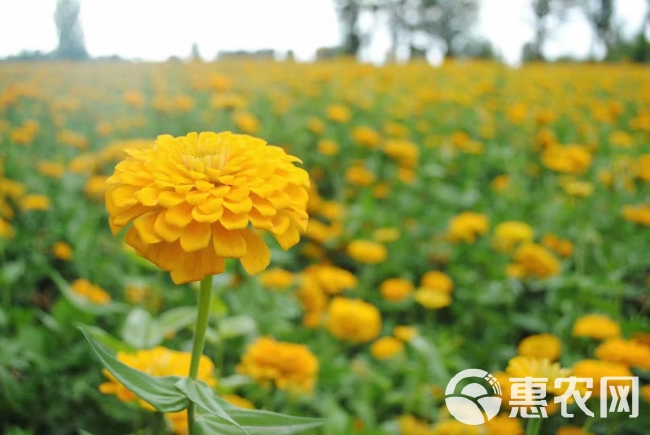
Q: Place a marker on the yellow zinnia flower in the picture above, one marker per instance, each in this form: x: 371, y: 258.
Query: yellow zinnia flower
x: 437, y: 281
x: 541, y: 346
x: 353, y: 320
x: 597, y: 326
x: 62, y: 251
x: 386, y: 348
x: 507, y: 235
x: 191, y: 200
x: 34, y: 202
x: 626, y: 352
x: 89, y: 291
x: 395, y: 289
x: 288, y: 366
x: 365, y: 251
x: 466, y: 226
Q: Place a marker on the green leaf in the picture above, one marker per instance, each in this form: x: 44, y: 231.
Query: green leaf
x: 159, y: 392
x: 171, y: 321
x: 82, y: 303
x: 254, y: 422
x: 200, y: 393
x: 235, y: 326
x: 140, y: 331
x: 107, y: 339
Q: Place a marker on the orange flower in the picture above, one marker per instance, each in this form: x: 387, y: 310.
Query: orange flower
x: 191, y: 200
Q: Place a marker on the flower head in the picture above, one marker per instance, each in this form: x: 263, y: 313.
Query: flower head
x: 194, y: 200
x: 289, y: 366
x: 386, y: 348
x: 89, y: 291
x: 597, y: 326
x: 508, y: 235
x: 541, y: 346
x: 353, y: 320
x: 466, y: 226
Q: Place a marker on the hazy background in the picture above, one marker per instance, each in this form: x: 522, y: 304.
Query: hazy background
x: 156, y: 30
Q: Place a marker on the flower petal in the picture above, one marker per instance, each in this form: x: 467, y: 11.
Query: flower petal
x: 258, y: 255
x: 229, y: 244
x: 195, y: 236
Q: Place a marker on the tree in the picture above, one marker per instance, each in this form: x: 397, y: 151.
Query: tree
x: 71, y: 38
x: 448, y: 21
x: 600, y: 14
x: 349, y: 12
x: 544, y: 10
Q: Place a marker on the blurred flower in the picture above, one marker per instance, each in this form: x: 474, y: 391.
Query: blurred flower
x: 366, y: 136
x: 466, y: 226
x: 453, y: 427
x: 403, y: 151
x: 625, y: 352
x: 596, y: 370
x: 96, y: 187
x: 353, y: 320
x: 562, y: 247
x: 34, y: 202
x: 569, y: 159
x: 316, y: 126
x: 386, y: 348
x: 288, y: 366
x: 533, y: 260
x: 385, y: 235
x: 638, y: 214
x: 328, y: 147
x: 246, y: 122
x: 62, y: 251
x: 572, y: 430
x: 405, y: 333
x: 192, y: 202
x: 6, y: 230
x: 508, y: 235
x: 277, y: 279
x: 338, y: 113
x: 504, y: 425
x: 395, y: 289
x: 437, y: 281
x: 134, y: 98
x: 51, y: 169
x: 409, y: 425
x: 432, y: 299
x: 597, y: 326
x: 358, y: 175
x: 522, y: 366
x: 95, y: 294
x: 541, y: 346
x: 330, y: 279
x: 365, y: 251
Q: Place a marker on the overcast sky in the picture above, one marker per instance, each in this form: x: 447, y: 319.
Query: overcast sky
x: 157, y: 29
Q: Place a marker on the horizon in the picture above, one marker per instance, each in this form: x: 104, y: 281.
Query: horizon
x: 506, y: 28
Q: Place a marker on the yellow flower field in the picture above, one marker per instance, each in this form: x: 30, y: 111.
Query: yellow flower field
x: 373, y: 230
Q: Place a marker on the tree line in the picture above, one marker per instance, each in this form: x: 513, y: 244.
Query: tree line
x: 420, y: 25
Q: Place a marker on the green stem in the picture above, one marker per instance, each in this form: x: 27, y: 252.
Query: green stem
x: 533, y: 426
x: 205, y: 293
x: 587, y: 425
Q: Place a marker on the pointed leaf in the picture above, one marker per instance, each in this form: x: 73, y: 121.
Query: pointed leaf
x: 112, y: 343
x: 200, y: 393
x: 159, y: 392
x: 255, y: 422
